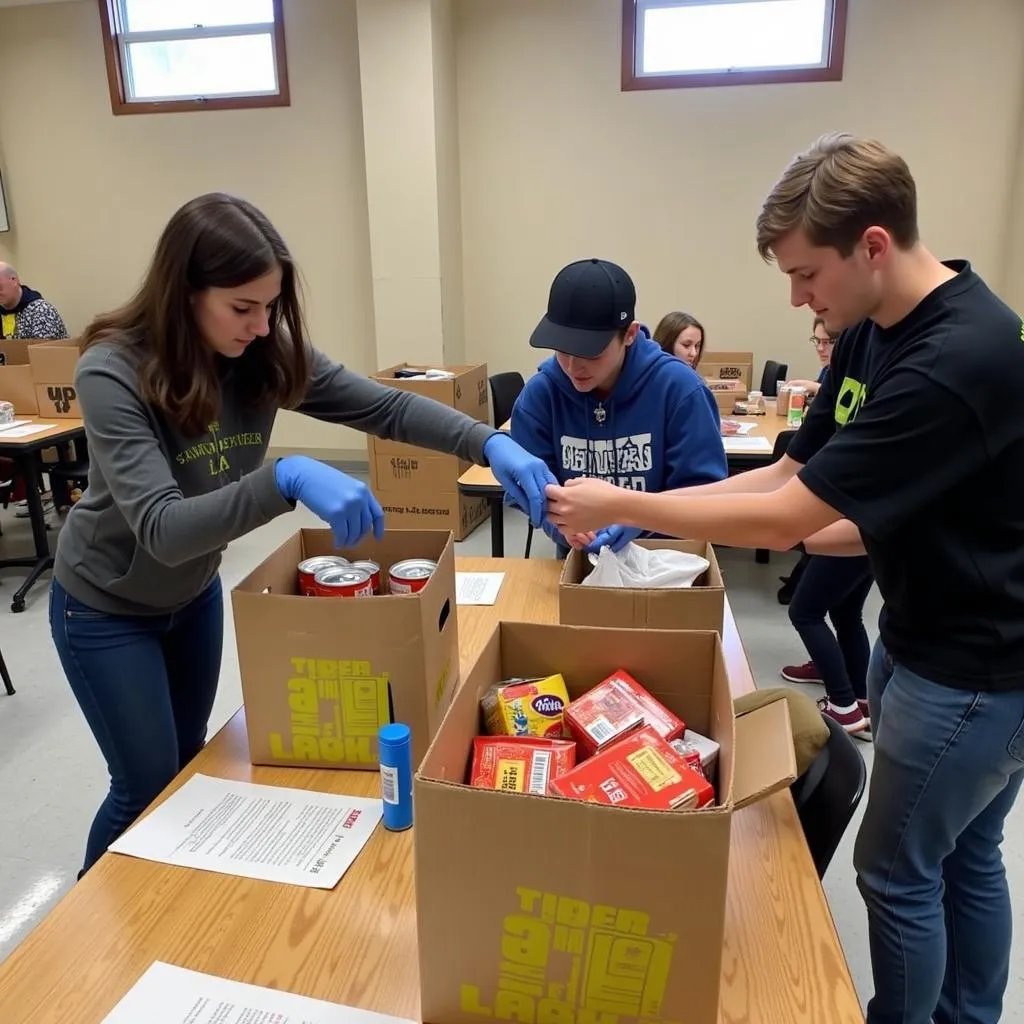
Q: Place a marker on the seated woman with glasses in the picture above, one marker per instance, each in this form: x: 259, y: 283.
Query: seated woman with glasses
x: 823, y: 343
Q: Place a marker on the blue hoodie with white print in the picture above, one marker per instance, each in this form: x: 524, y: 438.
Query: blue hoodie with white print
x: 657, y: 429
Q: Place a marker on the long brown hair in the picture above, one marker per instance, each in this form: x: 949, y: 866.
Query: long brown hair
x: 668, y: 329
x: 213, y: 241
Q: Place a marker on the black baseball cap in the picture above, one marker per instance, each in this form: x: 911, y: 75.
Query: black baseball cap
x: 589, y: 303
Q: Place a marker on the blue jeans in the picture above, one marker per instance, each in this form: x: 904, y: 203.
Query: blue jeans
x: 146, y: 686
x: 948, y: 767
x: 837, y: 587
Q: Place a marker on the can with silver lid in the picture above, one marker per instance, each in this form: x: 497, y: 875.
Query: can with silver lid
x: 309, y: 567
x: 372, y: 568
x: 343, y: 581
x: 411, y: 575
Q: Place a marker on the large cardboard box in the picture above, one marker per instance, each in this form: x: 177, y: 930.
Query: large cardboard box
x: 701, y: 606
x: 409, y: 508
x: 403, y: 466
x: 543, y: 909
x: 321, y: 675
x: 53, y: 370
x: 729, y: 366
x: 467, y: 391
x: 17, y: 385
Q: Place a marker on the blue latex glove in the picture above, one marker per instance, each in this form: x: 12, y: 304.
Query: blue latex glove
x: 523, y: 475
x: 346, y: 505
x: 615, y: 537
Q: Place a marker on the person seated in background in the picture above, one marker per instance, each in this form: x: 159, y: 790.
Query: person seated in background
x: 682, y: 336
x: 823, y: 342
x: 24, y: 313
x: 610, y: 403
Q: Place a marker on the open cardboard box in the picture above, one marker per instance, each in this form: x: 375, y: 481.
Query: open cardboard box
x: 17, y: 385
x: 53, y: 370
x: 535, y: 908
x: 466, y: 391
x: 701, y: 606
x: 321, y: 675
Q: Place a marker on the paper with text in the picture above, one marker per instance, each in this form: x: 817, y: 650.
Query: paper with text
x: 10, y: 426
x: 26, y: 431
x: 173, y: 995
x: 477, y: 587
x: 737, y: 445
x: 239, y: 828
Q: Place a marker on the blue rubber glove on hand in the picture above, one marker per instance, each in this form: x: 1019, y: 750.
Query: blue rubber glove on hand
x: 523, y: 475
x: 615, y: 537
x: 346, y: 505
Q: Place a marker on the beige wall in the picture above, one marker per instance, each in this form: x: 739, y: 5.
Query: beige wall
x: 89, y: 192
x: 559, y: 164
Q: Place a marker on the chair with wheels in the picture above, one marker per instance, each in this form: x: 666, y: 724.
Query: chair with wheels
x: 774, y: 375
x: 505, y: 389
x: 827, y: 794
x: 6, y: 676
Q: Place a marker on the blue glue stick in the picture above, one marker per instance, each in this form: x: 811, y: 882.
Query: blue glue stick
x: 395, y: 742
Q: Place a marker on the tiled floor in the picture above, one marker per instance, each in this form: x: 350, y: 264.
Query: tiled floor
x: 52, y: 778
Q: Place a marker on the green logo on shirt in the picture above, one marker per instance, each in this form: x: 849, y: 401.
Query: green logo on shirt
x: 851, y: 397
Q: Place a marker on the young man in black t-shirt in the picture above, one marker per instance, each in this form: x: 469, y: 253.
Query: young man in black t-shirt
x: 914, y: 452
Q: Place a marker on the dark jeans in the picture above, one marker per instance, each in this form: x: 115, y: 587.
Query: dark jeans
x: 146, y: 686
x: 837, y: 587
x: 948, y: 767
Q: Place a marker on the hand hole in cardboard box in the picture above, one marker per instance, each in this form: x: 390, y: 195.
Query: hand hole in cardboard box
x: 446, y: 610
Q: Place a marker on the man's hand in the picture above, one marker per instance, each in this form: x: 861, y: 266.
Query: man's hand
x: 583, y: 505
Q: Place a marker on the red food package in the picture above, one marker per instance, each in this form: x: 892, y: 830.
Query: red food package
x: 640, y: 770
x: 613, y: 709
x: 520, y: 764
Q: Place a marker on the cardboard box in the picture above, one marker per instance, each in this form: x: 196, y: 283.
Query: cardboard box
x: 320, y: 675
x: 467, y: 391
x: 701, y: 606
x: 729, y: 366
x: 411, y: 467
x: 17, y: 385
x: 412, y: 509
x: 554, y: 909
x: 53, y: 370
x: 726, y: 393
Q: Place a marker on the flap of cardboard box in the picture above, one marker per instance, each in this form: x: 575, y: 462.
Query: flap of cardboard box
x: 765, y: 759
x: 54, y: 362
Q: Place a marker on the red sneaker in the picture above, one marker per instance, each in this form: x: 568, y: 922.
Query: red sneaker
x: 805, y: 673
x: 852, y: 721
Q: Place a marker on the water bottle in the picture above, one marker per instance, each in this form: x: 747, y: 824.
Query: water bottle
x: 395, y: 743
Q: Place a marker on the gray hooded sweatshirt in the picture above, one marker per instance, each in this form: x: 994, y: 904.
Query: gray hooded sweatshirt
x: 146, y: 537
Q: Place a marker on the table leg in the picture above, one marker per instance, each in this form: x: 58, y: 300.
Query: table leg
x: 497, y: 525
x: 762, y: 556
x: 44, y: 561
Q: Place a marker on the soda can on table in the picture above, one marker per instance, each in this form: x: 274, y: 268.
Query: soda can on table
x: 343, y: 581
x: 309, y: 567
x: 373, y: 569
x: 410, y: 576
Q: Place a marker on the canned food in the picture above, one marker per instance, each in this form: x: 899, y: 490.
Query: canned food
x: 309, y: 567
x: 411, y: 575
x: 372, y: 568
x: 343, y: 581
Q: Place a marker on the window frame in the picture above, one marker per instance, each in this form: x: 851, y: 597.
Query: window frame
x: 114, y: 44
x: 832, y: 71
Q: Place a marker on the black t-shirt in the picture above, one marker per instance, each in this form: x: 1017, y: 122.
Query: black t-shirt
x: 917, y: 436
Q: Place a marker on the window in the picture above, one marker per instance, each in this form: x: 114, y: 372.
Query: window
x: 672, y: 44
x: 194, y: 54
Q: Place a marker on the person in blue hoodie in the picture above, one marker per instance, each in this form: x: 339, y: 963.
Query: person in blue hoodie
x: 610, y: 403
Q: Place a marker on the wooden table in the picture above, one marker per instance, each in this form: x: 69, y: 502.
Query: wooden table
x: 479, y: 481
x: 24, y: 451
x: 356, y: 944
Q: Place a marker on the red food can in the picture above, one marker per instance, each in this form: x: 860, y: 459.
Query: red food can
x: 410, y: 576
x: 343, y: 581
x: 309, y: 567
x: 372, y: 568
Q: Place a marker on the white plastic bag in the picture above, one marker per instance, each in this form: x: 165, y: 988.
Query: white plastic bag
x: 640, y: 568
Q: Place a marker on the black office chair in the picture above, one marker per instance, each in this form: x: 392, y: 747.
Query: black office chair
x: 66, y: 475
x: 774, y: 375
x: 827, y: 794
x: 6, y: 676
x: 505, y: 389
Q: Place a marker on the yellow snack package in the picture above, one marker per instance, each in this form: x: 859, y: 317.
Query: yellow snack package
x: 527, y: 707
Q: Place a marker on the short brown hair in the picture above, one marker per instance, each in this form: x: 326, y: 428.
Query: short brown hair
x: 835, y: 191
x: 213, y: 241
x: 668, y: 329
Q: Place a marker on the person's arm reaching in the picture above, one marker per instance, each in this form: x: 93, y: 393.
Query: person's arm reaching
x: 842, y: 539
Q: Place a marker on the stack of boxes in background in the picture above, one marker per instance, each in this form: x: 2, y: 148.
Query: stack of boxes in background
x: 38, y: 377
x: 730, y: 377
x: 417, y: 488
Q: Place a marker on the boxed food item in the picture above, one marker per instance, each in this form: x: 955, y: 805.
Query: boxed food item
x: 641, y: 770
x: 531, y: 707
x: 614, y: 708
x: 520, y: 764
x: 705, y: 748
